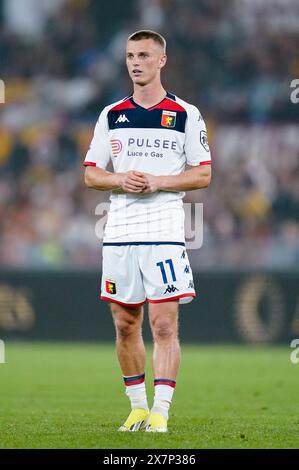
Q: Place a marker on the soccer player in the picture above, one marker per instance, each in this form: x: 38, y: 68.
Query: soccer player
x: 150, y: 137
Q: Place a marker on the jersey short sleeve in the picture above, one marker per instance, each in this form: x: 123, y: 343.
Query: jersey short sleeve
x: 98, y: 153
x: 196, y: 140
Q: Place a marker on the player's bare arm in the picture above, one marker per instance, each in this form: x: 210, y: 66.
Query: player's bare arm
x: 195, y: 178
x: 102, y: 180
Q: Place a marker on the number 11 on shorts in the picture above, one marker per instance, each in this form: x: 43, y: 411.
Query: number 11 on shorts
x: 163, y: 272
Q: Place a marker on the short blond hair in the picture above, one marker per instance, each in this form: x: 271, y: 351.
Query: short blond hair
x: 149, y: 34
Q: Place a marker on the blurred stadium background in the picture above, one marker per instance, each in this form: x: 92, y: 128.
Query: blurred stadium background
x: 61, y: 62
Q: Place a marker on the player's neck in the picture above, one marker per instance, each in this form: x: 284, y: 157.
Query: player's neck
x: 148, y: 95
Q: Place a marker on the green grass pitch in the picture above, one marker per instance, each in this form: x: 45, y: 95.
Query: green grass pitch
x: 72, y: 396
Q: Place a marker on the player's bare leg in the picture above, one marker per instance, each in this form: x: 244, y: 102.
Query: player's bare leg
x: 166, y: 360
x: 131, y: 355
x: 129, y: 343
x: 163, y: 319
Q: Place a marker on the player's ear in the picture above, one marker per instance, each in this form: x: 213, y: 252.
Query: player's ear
x: 162, y: 61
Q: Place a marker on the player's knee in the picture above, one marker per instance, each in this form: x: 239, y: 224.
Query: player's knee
x: 127, y: 320
x: 125, y: 329
x: 164, y: 330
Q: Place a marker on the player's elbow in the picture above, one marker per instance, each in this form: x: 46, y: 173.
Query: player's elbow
x: 206, y: 181
x: 88, y: 180
x: 205, y: 177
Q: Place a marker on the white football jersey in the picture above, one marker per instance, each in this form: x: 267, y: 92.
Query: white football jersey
x: 159, y: 140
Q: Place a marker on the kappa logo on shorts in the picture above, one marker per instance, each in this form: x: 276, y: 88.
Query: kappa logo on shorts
x: 183, y: 254
x: 187, y: 269
x: 191, y: 285
x: 110, y: 286
x: 170, y: 289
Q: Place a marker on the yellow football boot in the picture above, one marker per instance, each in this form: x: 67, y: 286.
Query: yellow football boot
x: 156, y: 423
x: 136, y: 420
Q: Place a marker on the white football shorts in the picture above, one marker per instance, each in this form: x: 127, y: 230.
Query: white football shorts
x: 136, y: 273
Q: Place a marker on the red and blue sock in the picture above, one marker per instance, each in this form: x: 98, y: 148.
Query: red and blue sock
x: 164, y: 389
x: 135, y: 390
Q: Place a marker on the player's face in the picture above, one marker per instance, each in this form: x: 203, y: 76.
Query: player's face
x: 145, y: 58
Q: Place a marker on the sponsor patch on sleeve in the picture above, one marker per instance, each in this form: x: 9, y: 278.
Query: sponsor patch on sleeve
x: 204, y: 140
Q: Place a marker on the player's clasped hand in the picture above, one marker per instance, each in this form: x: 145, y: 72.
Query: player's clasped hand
x: 137, y: 182
x: 152, y: 183
x: 132, y: 182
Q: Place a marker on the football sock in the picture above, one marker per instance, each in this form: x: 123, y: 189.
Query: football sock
x: 135, y: 390
x: 164, y: 389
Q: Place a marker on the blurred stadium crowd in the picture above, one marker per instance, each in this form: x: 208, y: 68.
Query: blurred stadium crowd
x: 63, y: 60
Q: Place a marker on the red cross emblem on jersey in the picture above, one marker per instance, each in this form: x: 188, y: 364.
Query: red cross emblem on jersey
x: 168, y: 118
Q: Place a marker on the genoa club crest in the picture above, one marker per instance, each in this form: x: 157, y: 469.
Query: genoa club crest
x: 110, y: 286
x: 168, y: 118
